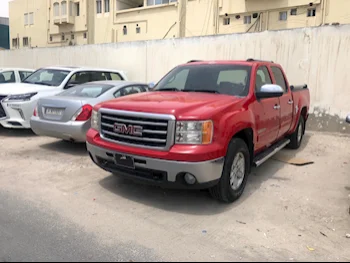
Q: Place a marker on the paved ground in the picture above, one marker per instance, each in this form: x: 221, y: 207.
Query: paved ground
x: 55, y: 205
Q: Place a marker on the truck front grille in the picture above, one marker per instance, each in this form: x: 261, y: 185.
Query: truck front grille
x: 2, y: 111
x: 145, y: 130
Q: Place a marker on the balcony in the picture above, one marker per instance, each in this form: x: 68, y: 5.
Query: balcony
x: 64, y: 20
x: 63, y: 12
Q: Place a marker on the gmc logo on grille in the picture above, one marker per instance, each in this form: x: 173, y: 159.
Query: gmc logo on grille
x: 128, y: 129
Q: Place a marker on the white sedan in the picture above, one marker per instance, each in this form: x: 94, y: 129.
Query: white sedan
x: 18, y: 100
x: 14, y: 75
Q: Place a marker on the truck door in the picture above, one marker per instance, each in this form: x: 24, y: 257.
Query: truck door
x: 286, y: 101
x: 267, y: 112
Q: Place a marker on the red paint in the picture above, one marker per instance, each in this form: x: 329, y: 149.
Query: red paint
x: 229, y: 114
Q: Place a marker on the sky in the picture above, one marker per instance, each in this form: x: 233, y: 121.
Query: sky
x: 4, y: 8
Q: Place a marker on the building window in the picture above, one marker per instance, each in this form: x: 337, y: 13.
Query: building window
x: 56, y: 9
x: 64, y: 8
x: 159, y: 2
x: 107, y: 6
x: 62, y: 38
x: 85, y: 35
x: 31, y: 18
x: 311, y: 12
x: 72, y: 37
x: 15, y: 43
x: 50, y: 38
x: 99, y: 6
x: 227, y: 21
x: 77, y: 9
x: 26, y: 21
x: 125, y: 30
x: 71, y: 7
x: 247, y: 20
x: 294, y: 12
x: 25, y: 42
x: 138, y: 29
x: 283, y: 16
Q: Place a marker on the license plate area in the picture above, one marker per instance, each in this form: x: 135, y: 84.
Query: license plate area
x: 54, y: 112
x: 124, y: 161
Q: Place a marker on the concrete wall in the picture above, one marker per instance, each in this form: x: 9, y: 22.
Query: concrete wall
x: 317, y: 56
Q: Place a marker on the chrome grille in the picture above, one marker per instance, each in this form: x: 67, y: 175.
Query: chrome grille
x: 2, y: 111
x: 151, y: 130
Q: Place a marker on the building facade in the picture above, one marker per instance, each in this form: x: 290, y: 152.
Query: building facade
x: 50, y: 23
x: 4, y: 33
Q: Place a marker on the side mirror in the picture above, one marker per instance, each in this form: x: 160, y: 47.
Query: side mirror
x: 270, y: 91
x: 151, y: 85
x: 348, y: 119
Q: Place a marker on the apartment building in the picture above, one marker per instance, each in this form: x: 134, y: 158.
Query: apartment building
x: 49, y: 23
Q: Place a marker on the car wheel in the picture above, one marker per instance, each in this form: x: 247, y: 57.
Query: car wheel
x: 297, y: 137
x: 235, y: 173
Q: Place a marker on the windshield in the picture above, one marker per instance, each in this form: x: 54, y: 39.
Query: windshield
x: 222, y: 79
x: 47, y: 77
x: 87, y: 91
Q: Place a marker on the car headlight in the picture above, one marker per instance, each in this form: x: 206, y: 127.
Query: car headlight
x: 95, y: 120
x: 21, y: 97
x: 194, y: 132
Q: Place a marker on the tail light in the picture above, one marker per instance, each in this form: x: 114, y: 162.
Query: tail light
x: 35, y: 113
x: 83, y: 114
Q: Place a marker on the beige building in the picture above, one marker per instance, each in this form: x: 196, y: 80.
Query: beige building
x: 49, y: 23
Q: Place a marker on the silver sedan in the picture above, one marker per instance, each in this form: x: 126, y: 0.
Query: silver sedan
x: 67, y: 115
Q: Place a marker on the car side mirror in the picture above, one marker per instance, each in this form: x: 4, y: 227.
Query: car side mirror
x: 71, y: 85
x: 151, y: 85
x: 348, y: 119
x: 269, y: 91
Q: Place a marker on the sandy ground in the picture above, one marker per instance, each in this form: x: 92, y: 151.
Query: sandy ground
x: 287, y: 213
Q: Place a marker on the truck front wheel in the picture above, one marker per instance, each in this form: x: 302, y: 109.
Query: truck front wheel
x: 235, y: 172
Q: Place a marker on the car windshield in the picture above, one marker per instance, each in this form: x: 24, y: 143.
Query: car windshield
x: 47, y: 77
x: 87, y: 91
x: 212, y: 78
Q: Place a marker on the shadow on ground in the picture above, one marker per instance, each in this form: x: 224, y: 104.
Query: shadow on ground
x: 16, y: 132
x: 66, y: 147
x: 193, y: 202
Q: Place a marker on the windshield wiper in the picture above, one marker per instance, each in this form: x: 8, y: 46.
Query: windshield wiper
x: 168, y: 89
x: 202, y: 90
x: 42, y: 83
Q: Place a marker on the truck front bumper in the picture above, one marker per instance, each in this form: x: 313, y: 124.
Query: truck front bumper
x: 167, y: 173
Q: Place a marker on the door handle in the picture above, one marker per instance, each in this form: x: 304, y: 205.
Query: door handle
x: 290, y: 102
x: 277, y: 107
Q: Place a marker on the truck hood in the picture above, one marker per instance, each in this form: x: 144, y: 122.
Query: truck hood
x: 22, y: 88
x: 183, y: 105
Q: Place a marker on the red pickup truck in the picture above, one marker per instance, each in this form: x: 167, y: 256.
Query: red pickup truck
x: 203, y: 126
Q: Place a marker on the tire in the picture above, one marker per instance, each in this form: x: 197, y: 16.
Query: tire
x: 297, y: 137
x: 225, y: 191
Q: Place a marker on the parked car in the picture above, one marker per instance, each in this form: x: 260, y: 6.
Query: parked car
x: 18, y: 100
x: 14, y: 75
x: 348, y: 119
x: 203, y: 126
x: 67, y: 115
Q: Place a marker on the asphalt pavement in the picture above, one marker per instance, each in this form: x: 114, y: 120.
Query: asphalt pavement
x: 29, y: 233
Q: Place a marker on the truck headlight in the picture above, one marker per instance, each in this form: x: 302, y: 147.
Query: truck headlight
x: 194, y: 132
x: 21, y: 97
x: 95, y: 120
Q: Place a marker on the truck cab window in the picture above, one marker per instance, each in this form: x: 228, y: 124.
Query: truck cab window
x: 262, y: 78
x: 280, y: 80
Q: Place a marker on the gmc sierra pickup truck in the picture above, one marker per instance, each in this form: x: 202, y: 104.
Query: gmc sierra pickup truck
x: 203, y: 126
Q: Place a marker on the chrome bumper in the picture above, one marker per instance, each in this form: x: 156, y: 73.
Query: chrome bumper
x: 208, y: 172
